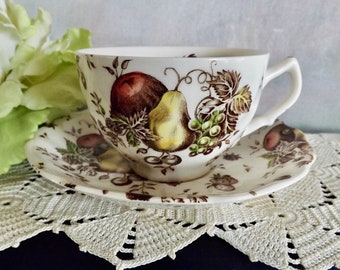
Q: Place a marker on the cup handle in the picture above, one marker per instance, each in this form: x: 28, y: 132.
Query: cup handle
x: 291, y: 66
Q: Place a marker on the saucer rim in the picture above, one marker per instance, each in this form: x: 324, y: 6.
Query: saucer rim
x: 120, y: 196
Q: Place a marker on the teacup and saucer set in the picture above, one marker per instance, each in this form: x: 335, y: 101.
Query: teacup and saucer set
x: 174, y: 126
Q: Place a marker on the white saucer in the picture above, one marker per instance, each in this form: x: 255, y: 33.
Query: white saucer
x: 256, y: 166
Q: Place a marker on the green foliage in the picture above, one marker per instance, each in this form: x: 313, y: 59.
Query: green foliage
x: 38, y: 77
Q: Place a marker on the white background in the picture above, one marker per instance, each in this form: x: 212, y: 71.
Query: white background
x: 306, y: 29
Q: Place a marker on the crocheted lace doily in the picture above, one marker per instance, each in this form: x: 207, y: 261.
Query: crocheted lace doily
x: 295, y: 228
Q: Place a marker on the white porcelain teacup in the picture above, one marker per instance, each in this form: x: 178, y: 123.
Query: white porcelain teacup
x: 171, y: 110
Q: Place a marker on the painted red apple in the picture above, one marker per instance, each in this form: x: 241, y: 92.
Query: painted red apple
x: 278, y: 133
x: 135, y: 91
x: 90, y: 140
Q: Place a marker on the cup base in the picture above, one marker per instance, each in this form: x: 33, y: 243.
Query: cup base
x: 170, y: 174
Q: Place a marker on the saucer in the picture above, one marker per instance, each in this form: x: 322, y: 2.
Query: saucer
x: 71, y: 153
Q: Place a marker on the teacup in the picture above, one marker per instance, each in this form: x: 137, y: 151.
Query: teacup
x: 170, y: 111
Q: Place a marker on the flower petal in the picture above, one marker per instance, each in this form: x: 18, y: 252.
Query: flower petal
x: 17, y: 128
x: 10, y: 96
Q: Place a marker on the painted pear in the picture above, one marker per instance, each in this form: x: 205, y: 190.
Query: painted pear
x: 168, y: 122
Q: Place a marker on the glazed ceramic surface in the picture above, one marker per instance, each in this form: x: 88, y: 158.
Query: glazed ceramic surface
x: 71, y: 153
x: 169, y: 111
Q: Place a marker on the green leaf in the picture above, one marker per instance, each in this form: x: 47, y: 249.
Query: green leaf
x: 131, y: 139
x: 9, y: 40
x: 74, y: 39
x: 15, y: 130
x: 38, y: 77
x: 37, y: 69
x: 271, y: 157
x: 60, y: 91
x: 62, y: 151
x: 22, y: 55
x: 9, y: 37
x: 72, y: 147
x: 37, y: 34
x: 17, y: 15
x: 11, y: 96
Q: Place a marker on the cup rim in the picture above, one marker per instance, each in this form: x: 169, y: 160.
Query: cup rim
x: 175, y: 52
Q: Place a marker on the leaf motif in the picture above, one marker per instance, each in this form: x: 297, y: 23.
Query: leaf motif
x: 231, y: 122
x: 102, y: 111
x: 131, y: 139
x: 272, y: 158
x: 83, y: 80
x: 90, y: 64
x: 71, y: 146
x: 269, y: 155
x: 190, y: 55
x: 207, y: 106
x: 138, y: 126
x: 204, y: 198
x: 225, y: 83
x: 62, y: 151
x: 125, y: 64
x: 271, y: 163
x: 110, y: 70
x: 115, y: 63
x: 241, y: 101
x: 144, y: 133
x: 283, y: 177
x: 138, y: 119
